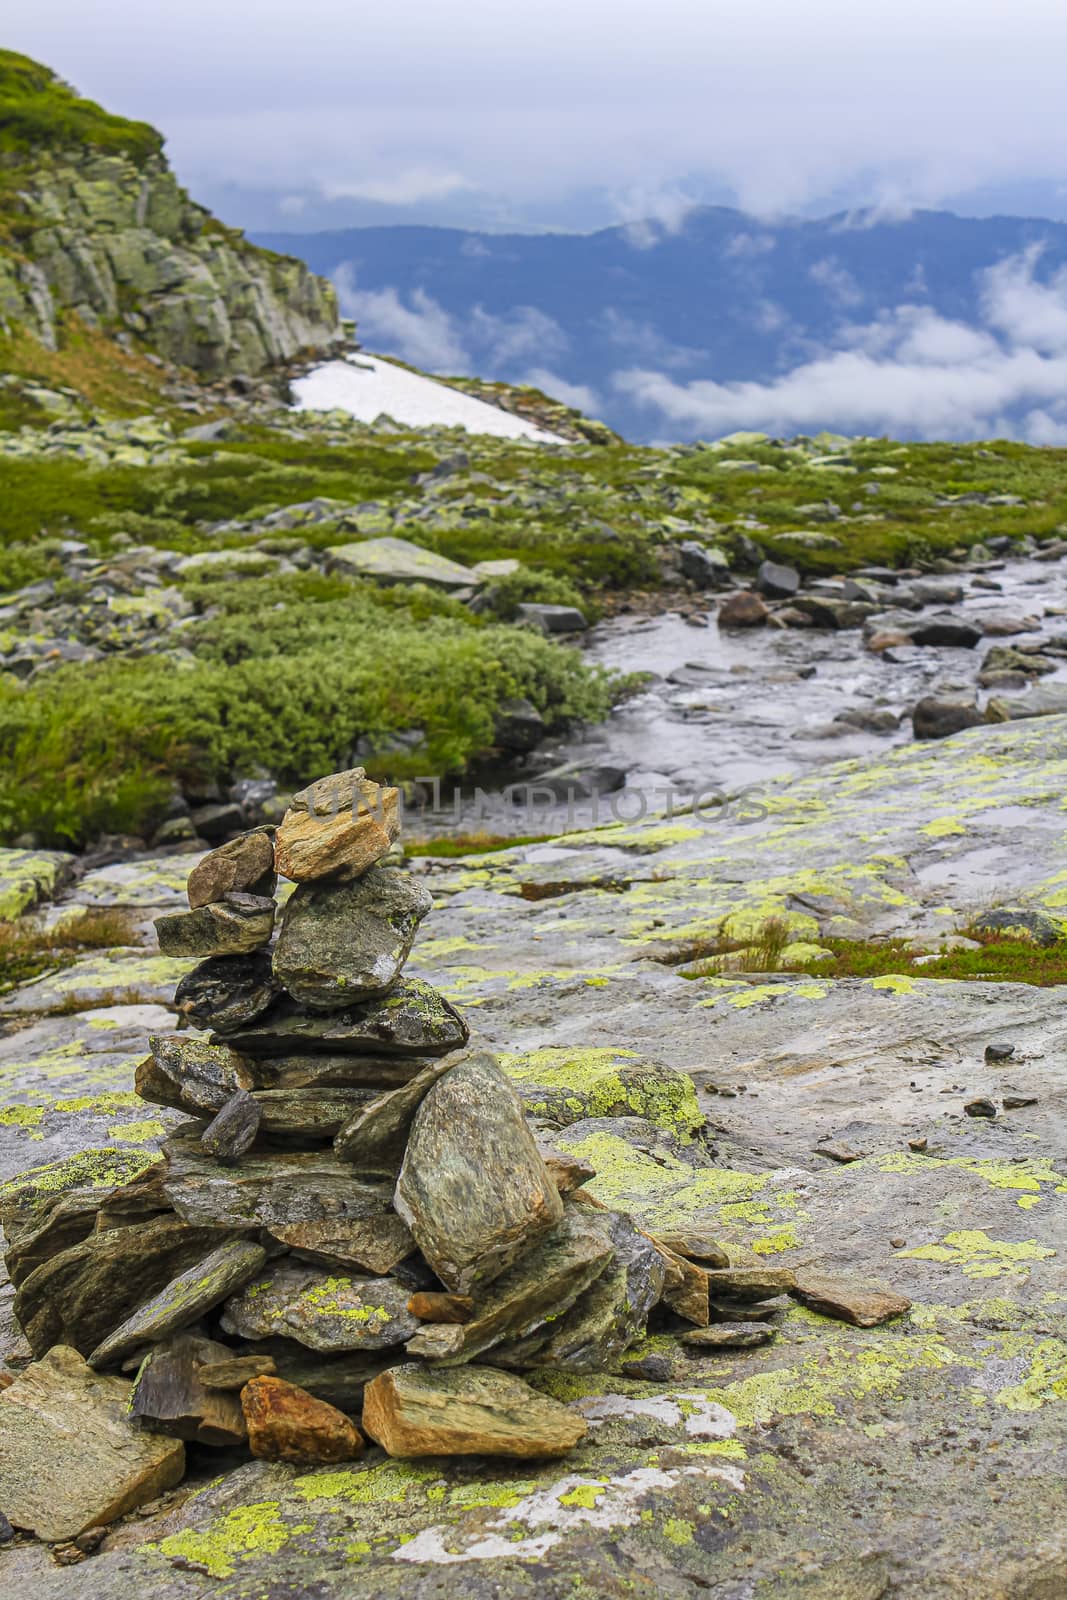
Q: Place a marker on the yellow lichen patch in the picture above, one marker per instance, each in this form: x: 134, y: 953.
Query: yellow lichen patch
x: 249, y: 1531
x: 1046, y: 1379
x: 943, y: 827
x: 585, y: 1495
x: 979, y: 1256
x: 894, y: 981
x: 386, y: 1483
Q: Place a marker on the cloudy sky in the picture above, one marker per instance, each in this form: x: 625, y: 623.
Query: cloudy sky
x: 575, y: 113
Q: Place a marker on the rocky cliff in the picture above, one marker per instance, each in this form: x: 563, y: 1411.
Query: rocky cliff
x: 94, y: 225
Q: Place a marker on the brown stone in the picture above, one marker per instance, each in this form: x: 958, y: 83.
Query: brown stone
x: 338, y: 827
x: 685, y: 1287
x: 371, y: 1244
x: 749, y: 1283
x: 70, y: 1459
x: 567, y: 1172
x: 742, y: 610
x: 847, y: 1301
x: 430, y: 1305
x: 288, y: 1424
x: 233, y: 1372
x: 695, y: 1246
x: 244, y: 865
x: 463, y: 1411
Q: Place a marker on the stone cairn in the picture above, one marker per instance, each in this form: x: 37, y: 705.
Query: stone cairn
x: 358, y: 1219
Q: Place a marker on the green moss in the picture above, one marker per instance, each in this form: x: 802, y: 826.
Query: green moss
x: 38, y: 111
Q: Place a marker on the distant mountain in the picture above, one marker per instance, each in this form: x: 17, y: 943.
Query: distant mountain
x: 662, y: 326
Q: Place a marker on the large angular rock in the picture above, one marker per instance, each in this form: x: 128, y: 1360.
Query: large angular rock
x: 191, y: 1073
x: 324, y: 1312
x: 80, y: 1295
x: 412, y: 1412
x: 611, y: 1314
x: 473, y: 1188
x: 243, y: 865
x: 540, y: 1287
x: 228, y: 992
x: 184, y: 1300
x: 285, y: 1423
x: 373, y: 1244
x: 376, y: 1137
x: 170, y: 1397
x: 231, y: 926
x: 70, y: 1459
x: 336, y: 828
x: 413, y: 1019
x: 392, y: 560
x: 847, y: 1300
x: 344, y: 943
x: 268, y: 1189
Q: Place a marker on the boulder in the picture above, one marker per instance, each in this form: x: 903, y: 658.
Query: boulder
x: 231, y: 926
x: 551, y: 619
x: 702, y: 564
x: 940, y: 719
x: 343, y: 943
x: 244, y: 865
x: 285, y: 1423
x: 519, y: 726
x: 392, y: 560
x: 465, y: 1411
x: 337, y: 827
x: 743, y: 610
x: 778, y: 582
x: 70, y: 1458
x: 473, y: 1189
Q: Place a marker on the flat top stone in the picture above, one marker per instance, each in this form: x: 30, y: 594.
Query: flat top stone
x: 412, y: 1019
x: 70, y: 1459
x: 326, y: 1311
x: 401, y: 561
x: 347, y: 942
x: 465, y: 1411
x: 265, y: 1189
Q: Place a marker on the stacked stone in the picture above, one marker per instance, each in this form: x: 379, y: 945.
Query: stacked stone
x: 358, y: 1218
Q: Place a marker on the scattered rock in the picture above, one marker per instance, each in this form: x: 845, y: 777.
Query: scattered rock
x: 728, y: 1336
x: 392, y: 560
x: 940, y: 719
x: 743, y: 610
x: 982, y: 1106
x: 519, y: 726
x: 286, y: 1423
x: 552, y: 619
x: 946, y: 632
x: 1019, y: 922
x: 777, y: 582
x: 70, y: 1459
x: 702, y: 564
x: 848, y: 1302
x: 750, y: 1283
x: 413, y: 1412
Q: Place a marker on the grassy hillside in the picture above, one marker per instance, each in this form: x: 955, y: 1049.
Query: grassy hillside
x: 38, y: 112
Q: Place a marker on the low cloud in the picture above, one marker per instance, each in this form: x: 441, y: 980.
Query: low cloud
x: 420, y: 330
x: 410, y: 187
x: 910, y: 372
x: 572, y: 394
x: 837, y: 281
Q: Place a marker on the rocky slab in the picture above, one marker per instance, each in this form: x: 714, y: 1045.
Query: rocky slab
x: 184, y: 1300
x: 266, y: 1190
x: 70, y: 1459
x: 469, y: 1411
x: 412, y: 1020
x: 234, y: 925
x: 325, y: 1312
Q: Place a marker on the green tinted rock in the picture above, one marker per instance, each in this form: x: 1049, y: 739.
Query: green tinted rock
x: 375, y: 1138
x: 275, y: 1187
x: 347, y: 942
x: 325, y: 1312
x: 231, y: 926
x: 183, y: 1300
x: 413, y: 1019
x: 202, y: 1076
x: 473, y: 1188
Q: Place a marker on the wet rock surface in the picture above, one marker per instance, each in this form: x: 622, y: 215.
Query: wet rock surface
x: 969, y: 1228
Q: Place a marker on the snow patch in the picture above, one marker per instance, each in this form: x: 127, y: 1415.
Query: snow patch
x: 368, y: 387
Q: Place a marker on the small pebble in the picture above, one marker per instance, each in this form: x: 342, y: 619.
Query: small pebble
x: 999, y: 1052
x: 1015, y: 1102
x: 981, y: 1107
x: 917, y: 1144
x: 897, y: 1243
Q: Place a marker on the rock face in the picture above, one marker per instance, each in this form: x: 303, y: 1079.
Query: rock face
x: 70, y: 1459
x: 106, y: 232
x: 347, y: 942
x: 473, y: 1188
x: 468, y: 1411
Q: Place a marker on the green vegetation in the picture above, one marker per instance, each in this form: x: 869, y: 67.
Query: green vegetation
x: 27, y: 952
x: 284, y: 675
x: 998, y: 959
x: 38, y: 111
